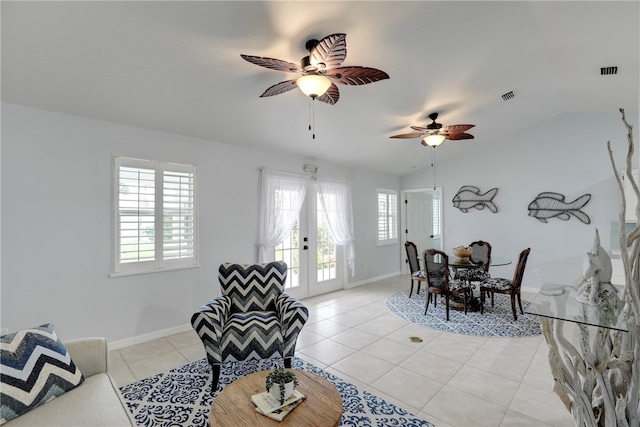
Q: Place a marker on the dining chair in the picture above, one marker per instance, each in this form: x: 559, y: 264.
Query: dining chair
x: 439, y: 282
x: 481, y: 255
x: 417, y: 274
x: 496, y: 285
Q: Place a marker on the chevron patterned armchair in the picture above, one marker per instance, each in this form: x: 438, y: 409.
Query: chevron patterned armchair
x: 252, y: 319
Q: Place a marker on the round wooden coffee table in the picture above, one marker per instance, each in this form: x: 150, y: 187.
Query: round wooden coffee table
x: 233, y: 406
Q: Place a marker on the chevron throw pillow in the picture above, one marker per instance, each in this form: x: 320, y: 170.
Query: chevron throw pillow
x: 35, y: 367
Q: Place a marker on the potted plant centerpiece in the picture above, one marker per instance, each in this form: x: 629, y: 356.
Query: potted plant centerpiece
x: 281, y: 384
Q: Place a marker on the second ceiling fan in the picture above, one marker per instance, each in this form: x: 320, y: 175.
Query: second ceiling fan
x: 434, y: 133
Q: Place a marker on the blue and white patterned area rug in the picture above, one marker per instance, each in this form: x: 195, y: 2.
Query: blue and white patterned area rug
x: 496, y: 321
x: 182, y: 397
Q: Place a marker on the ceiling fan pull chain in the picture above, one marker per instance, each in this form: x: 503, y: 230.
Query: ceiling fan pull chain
x: 313, y: 103
x: 309, y: 110
x: 433, y: 165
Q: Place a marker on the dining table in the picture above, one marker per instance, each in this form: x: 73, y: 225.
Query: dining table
x: 455, y: 263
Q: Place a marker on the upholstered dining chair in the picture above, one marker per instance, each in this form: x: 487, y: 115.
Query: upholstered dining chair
x: 481, y: 255
x: 417, y: 274
x: 252, y: 319
x: 436, y: 265
x: 496, y: 285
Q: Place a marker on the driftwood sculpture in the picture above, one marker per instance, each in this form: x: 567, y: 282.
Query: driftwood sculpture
x: 600, y: 383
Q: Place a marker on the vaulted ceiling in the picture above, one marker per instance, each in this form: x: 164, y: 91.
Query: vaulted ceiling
x: 176, y: 67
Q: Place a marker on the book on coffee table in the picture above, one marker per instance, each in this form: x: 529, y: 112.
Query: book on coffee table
x: 268, y: 405
x: 280, y: 414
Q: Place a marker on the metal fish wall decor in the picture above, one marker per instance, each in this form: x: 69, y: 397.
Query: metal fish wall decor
x: 469, y: 197
x: 552, y: 205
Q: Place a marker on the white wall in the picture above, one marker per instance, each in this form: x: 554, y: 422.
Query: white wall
x: 56, y: 224
x: 566, y: 155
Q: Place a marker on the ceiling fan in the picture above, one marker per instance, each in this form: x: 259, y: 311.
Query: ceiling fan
x: 434, y: 134
x: 320, y: 70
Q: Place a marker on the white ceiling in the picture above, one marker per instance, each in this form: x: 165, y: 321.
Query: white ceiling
x: 176, y: 67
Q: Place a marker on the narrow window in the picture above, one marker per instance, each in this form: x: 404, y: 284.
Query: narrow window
x: 387, y: 217
x: 154, y: 216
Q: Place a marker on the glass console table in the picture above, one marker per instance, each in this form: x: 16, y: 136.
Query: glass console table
x: 559, y: 302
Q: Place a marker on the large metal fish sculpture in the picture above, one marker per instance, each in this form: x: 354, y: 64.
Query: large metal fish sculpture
x: 552, y: 205
x: 469, y: 197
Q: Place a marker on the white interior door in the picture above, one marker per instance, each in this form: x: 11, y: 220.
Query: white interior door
x: 422, y: 220
x: 315, y: 264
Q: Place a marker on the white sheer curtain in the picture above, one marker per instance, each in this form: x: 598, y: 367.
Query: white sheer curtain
x: 335, y: 197
x: 282, y: 196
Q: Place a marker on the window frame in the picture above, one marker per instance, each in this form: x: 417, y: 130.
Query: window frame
x: 160, y: 262
x: 390, y: 230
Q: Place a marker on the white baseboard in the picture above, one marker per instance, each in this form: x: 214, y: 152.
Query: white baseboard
x: 115, y: 345
x: 371, y: 280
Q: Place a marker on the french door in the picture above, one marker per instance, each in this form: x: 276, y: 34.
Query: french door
x: 315, y: 263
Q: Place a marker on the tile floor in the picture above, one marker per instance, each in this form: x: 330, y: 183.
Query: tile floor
x: 448, y: 379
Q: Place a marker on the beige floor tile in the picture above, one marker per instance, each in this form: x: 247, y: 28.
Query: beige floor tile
x: 506, y: 366
x: 326, y: 328
x: 355, y: 338
x: 453, y: 347
x: 516, y: 348
x: 346, y: 378
x: 364, y: 367
x: 194, y: 352
x: 541, y: 405
x: 327, y: 351
x: 184, y: 339
x: 487, y: 385
x: 391, y: 351
x: 463, y: 409
x: 392, y: 399
x: 153, y: 365
x: 438, y: 368
x: 539, y: 375
x: 311, y: 360
x: 382, y: 325
x: 434, y: 420
x: 142, y: 351
x: 122, y: 375
x: 408, y: 387
x: 115, y: 359
x: 307, y: 338
x: 322, y: 312
x: 403, y: 334
x: 516, y: 419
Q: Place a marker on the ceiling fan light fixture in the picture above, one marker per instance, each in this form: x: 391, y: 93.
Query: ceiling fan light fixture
x: 313, y: 85
x: 433, y: 140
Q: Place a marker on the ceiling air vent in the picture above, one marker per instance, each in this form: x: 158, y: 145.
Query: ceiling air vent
x: 507, y: 96
x: 607, y: 71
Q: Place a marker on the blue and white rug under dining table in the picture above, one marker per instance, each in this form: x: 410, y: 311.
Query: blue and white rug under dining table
x: 496, y: 321
x: 182, y: 396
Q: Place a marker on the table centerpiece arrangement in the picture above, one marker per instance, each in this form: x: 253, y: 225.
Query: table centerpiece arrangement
x: 463, y: 252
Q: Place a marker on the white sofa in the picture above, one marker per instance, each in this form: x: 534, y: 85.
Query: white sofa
x: 96, y: 402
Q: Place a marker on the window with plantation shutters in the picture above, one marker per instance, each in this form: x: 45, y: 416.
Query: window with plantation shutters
x: 387, y: 217
x: 154, y: 216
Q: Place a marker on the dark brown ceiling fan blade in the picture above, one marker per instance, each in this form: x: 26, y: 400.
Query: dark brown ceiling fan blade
x: 329, y: 52
x: 279, y: 88
x: 458, y: 136
x: 273, y: 64
x: 331, y: 96
x: 408, y: 135
x: 357, y: 75
x: 420, y: 128
x: 457, y: 128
